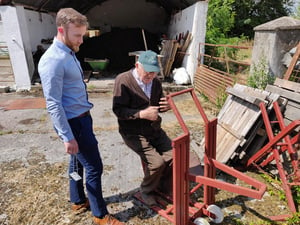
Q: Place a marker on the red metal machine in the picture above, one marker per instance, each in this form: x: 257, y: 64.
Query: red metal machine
x: 284, y: 141
x: 180, y: 209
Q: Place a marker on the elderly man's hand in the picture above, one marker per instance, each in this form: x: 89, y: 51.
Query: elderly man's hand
x: 164, y: 105
x: 150, y: 113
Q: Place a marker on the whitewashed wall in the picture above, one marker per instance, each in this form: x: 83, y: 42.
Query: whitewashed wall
x: 17, y: 43
x: 23, y: 30
x: 40, y: 26
x: 192, y: 19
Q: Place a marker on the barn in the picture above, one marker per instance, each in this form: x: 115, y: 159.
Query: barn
x: 117, y: 27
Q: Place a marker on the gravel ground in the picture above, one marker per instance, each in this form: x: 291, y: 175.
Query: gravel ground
x: 34, y: 182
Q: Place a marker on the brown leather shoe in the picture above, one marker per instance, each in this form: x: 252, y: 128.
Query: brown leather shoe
x: 80, y: 208
x: 107, y: 220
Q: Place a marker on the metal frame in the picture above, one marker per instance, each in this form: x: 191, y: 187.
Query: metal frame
x: 180, y: 209
x: 277, y: 145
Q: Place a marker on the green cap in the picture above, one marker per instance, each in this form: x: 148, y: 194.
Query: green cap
x: 149, y: 61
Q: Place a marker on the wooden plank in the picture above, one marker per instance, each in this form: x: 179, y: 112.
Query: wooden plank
x: 242, y: 95
x: 226, y: 145
x: 294, y: 96
x: 293, y: 104
x: 286, y: 84
x: 186, y: 42
x: 225, y: 106
x: 230, y: 130
x: 254, y: 92
x: 292, y: 111
x: 168, y: 51
x: 239, y: 120
x: 293, y: 63
x: 240, y: 116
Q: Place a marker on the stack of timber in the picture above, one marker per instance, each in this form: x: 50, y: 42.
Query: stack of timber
x: 240, y: 130
x: 168, y: 52
x: 173, y: 52
x: 182, y: 50
x: 240, y: 122
x: 291, y: 92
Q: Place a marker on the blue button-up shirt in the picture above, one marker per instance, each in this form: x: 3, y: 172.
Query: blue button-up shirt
x: 63, y: 87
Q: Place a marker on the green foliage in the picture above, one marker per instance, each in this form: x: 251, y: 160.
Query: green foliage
x: 295, y: 219
x: 237, y: 221
x: 260, y: 76
x: 272, y: 191
x: 205, y: 98
x: 296, y: 194
x: 231, y: 18
x: 221, y: 97
x: 263, y: 222
x: 220, y: 20
x: 251, y: 13
x: 297, y: 13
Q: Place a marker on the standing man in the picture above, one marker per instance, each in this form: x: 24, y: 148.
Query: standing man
x: 69, y: 108
x: 138, y: 99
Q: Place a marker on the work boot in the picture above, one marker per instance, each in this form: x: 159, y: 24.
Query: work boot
x: 107, y: 220
x: 81, y: 207
x: 148, y: 199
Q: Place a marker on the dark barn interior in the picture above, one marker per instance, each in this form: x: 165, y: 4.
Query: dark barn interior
x: 115, y: 46
x: 119, y: 41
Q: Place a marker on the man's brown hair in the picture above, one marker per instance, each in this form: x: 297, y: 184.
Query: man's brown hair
x: 66, y: 16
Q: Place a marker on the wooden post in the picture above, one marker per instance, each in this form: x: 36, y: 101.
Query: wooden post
x: 292, y: 64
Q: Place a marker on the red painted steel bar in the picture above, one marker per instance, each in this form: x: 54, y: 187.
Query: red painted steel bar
x: 292, y: 152
x: 184, y: 211
x: 269, y: 146
x: 271, y: 152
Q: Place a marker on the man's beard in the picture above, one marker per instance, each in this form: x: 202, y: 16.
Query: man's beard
x: 75, y: 48
x: 70, y: 45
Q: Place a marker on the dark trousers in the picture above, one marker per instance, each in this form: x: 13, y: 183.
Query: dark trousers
x: 87, y: 159
x: 156, y: 154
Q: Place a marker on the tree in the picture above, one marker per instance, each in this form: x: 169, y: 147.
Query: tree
x: 297, y: 12
x: 236, y: 18
x: 220, y: 20
x: 251, y: 13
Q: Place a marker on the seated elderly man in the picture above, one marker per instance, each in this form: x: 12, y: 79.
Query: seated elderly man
x: 138, y: 100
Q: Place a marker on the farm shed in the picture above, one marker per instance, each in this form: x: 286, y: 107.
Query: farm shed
x: 272, y: 40
x: 28, y: 23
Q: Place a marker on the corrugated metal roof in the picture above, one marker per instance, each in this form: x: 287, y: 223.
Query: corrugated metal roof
x: 84, y: 6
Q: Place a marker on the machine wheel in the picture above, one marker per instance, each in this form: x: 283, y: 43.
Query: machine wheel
x: 217, y: 211
x: 201, y: 221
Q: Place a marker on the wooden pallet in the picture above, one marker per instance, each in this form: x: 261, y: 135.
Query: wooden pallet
x: 240, y: 122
